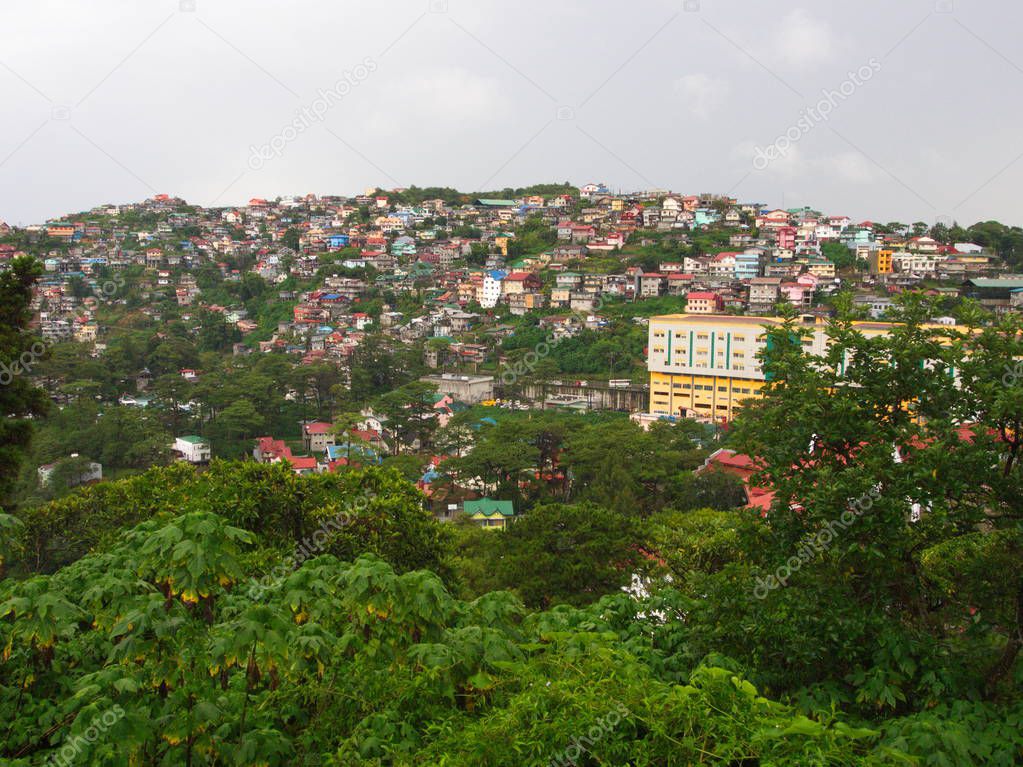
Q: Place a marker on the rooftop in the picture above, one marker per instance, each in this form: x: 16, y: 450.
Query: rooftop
x: 489, y: 507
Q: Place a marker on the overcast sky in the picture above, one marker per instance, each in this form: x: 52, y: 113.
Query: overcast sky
x: 114, y: 100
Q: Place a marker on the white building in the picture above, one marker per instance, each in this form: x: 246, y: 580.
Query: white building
x: 192, y: 449
x: 916, y: 263
x: 491, y: 292
x: 89, y: 471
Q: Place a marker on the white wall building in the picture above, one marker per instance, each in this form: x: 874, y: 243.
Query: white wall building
x: 491, y: 292
x: 192, y: 449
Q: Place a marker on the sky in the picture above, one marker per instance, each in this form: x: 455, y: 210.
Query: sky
x: 873, y: 109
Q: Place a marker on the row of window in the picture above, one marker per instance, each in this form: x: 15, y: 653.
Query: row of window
x: 705, y: 387
x: 701, y: 336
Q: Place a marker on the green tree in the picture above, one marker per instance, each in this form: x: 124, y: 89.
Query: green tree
x: 840, y: 255
x: 20, y: 401
x: 902, y: 446
x: 240, y: 419
x: 290, y: 239
x: 619, y: 465
x: 573, y: 554
x: 411, y: 417
x: 215, y: 334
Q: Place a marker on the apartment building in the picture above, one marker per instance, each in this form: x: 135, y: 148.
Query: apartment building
x: 706, y: 365
x: 880, y: 261
x: 763, y: 294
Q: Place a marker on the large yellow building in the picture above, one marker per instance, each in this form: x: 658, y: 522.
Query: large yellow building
x: 704, y: 366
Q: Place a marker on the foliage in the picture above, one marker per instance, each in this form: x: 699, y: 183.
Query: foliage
x: 560, y: 553
x: 899, y: 452
x: 19, y: 400
x: 159, y: 639
x: 282, y: 509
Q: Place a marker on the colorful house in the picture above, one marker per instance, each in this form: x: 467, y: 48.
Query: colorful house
x: 489, y: 513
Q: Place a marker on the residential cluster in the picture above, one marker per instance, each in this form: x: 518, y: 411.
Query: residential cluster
x: 453, y: 277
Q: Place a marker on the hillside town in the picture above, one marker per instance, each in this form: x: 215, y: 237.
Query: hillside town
x: 459, y: 258
x: 552, y: 297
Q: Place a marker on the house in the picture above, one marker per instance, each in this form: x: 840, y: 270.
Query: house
x: 922, y: 245
x: 89, y: 471
x: 743, y: 468
x: 582, y: 233
x: 785, y: 237
x: 722, y: 265
x: 650, y: 284
x: 192, y: 449
x: 520, y: 303
x: 876, y: 306
x: 317, y: 435
x: 747, y: 265
x: 270, y: 450
x: 763, y: 294
x: 705, y: 216
x: 490, y: 290
x: 520, y: 282
x: 917, y: 262
x: 798, y: 294
x: 703, y: 302
x: 359, y: 446
x: 301, y: 464
x: 679, y: 283
x: 773, y: 219
x: 820, y: 267
x: 490, y: 514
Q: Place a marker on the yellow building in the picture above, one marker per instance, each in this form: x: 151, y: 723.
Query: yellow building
x: 705, y: 365
x: 821, y: 268
x: 881, y: 261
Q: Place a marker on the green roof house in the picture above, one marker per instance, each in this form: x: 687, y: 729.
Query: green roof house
x: 489, y: 513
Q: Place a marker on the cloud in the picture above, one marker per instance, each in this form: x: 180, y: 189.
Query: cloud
x: 453, y: 92
x: 439, y: 99
x: 795, y: 164
x: 702, y: 93
x: 851, y: 167
x: 803, y: 41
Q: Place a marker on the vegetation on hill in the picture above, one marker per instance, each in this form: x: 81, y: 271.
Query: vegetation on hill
x: 243, y: 615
